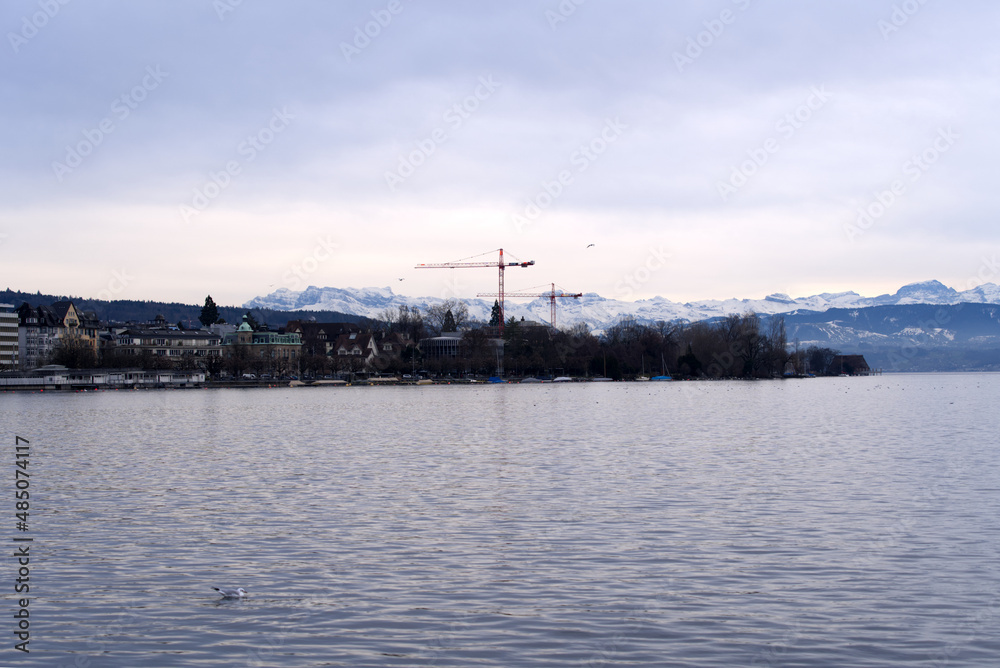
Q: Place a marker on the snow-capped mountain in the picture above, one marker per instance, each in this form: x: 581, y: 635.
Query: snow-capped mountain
x: 599, y: 312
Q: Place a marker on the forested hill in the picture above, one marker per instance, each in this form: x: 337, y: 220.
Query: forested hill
x: 124, y: 310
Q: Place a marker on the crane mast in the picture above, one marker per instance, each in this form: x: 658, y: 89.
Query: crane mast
x: 552, y: 295
x: 474, y: 265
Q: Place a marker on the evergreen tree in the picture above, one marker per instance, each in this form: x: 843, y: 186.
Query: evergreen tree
x: 688, y: 364
x: 209, y: 312
x: 495, y: 314
x: 252, y: 321
x: 449, y: 322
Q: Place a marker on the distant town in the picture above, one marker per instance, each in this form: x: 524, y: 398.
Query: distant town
x: 67, y: 345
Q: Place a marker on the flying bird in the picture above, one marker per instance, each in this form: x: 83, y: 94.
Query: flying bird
x: 239, y: 592
x: 401, y: 279
x: 589, y: 245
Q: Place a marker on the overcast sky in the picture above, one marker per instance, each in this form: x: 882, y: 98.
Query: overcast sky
x: 732, y: 148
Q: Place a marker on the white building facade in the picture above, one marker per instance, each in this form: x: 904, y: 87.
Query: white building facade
x: 9, y: 357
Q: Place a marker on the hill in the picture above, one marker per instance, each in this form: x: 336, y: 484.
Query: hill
x: 125, y: 310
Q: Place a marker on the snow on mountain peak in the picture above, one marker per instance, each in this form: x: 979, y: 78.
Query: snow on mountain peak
x: 600, y: 312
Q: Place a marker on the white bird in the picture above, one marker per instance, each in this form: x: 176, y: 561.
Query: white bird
x: 239, y: 592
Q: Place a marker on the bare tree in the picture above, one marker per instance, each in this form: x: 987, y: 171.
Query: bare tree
x: 437, y: 315
x: 73, y: 352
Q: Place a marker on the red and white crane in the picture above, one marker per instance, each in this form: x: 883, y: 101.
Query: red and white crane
x: 552, y: 295
x: 472, y: 265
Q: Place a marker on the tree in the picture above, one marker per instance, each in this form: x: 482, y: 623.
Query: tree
x: 495, y: 314
x: 820, y: 359
x: 776, y: 347
x: 436, y: 315
x: 449, y: 322
x: 404, y: 320
x: 252, y: 321
x: 688, y: 364
x: 750, y: 344
x: 209, y: 312
x: 73, y: 352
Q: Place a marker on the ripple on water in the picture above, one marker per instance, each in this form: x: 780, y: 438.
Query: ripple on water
x: 826, y: 522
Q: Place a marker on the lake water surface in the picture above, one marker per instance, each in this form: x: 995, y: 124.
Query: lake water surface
x: 815, y: 522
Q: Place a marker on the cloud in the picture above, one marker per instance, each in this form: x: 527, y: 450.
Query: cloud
x: 361, y: 114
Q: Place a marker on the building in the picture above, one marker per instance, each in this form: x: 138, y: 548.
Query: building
x: 9, y: 357
x: 269, y: 352
x: 851, y: 365
x: 320, y: 338
x: 177, y: 346
x: 38, y: 332
x: 446, y: 346
x: 369, y: 351
x: 56, y: 377
x: 77, y: 324
x: 42, y: 328
x: 355, y: 345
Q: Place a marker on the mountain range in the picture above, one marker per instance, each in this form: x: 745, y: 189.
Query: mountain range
x: 600, y: 312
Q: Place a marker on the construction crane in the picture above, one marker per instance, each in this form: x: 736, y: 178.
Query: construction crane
x: 552, y: 295
x: 461, y: 264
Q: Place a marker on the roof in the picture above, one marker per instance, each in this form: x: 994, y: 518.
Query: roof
x: 61, y: 308
x: 310, y: 330
x: 170, y: 333
x: 848, y: 364
x: 43, y: 314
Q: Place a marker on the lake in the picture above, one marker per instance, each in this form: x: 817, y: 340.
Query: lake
x: 808, y: 522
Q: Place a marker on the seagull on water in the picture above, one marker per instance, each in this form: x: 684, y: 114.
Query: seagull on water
x: 239, y: 592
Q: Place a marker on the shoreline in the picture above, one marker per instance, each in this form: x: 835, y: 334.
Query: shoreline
x: 247, y: 384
